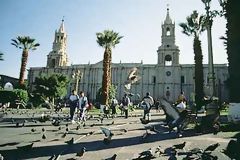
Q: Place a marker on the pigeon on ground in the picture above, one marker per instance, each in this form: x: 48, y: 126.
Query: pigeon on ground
x: 64, y: 135
x: 106, y: 132
x: 43, y: 129
x: 179, y: 146
x: 67, y: 129
x: 112, y: 158
x: 26, y: 147
x: 56, y: 122
x: 212, y: 147
x: 33, y: 130
x: 78, y: 127
x: 71, y: 141
x: 81, y: 152
x: 59, y: 128
x: 159, y: 151
x: 146, y: 154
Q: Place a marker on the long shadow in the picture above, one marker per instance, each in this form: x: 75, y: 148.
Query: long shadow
x: 47, y: 151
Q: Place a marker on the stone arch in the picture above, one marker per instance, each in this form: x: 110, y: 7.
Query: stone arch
x: 168, y: 60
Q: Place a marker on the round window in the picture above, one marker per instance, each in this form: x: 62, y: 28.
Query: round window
x: 168, y: 73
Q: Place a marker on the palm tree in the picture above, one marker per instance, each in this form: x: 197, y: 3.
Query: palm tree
x: 108, y: 40
x: 194, y: 26
x: 25, y: 43
x: 1, y: 56
x: 232, y: 15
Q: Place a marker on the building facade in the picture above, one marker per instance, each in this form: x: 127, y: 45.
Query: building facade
x: 167, y: 78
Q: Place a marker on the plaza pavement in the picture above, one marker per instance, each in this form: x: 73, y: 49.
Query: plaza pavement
x: 127, y: 145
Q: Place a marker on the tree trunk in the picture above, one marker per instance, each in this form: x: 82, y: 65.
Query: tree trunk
x: 23, y: 67
x: 106, y: 79
x: 233, y: 48
x: 198, y: 57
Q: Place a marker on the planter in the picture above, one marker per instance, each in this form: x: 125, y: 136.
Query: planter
x: 234, y: 113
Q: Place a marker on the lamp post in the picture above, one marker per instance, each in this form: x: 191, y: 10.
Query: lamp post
x: 211, y: 74
x: 77, y: 76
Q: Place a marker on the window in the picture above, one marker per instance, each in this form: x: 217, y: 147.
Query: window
x: 168, y: 60
x: 182, y: 79
x: 153, y: 79
x: 168, y: 33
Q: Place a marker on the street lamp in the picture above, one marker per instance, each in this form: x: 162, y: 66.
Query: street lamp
x: 211, y: 74
x: 77, y: 76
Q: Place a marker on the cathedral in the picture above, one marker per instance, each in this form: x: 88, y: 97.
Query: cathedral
x: 166, y: 79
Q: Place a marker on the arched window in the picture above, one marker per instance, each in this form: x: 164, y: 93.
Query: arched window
x: 168, y: 33
x: 53, y: 63
x: 168, y: 60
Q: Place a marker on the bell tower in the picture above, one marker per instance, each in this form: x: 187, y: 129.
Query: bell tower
x: 168, y: 52
x: 58, y: 56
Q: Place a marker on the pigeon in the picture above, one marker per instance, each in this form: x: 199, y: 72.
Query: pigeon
x: 212, y: 147
x: 71, y: 141
x: 64, y: 135
x: 59, y: 128
x: 67, y: 129
x: 43, y: 136
x: 146, y: 154
x: 112, y: 122
x: 66, y: 125
x: 81, y: 152
x: 159, y: 150
x: 26, y: 147
x: 56, y: 122
x: 179, y: 146
x: 78, y: 127
x: 132, y: 78
x: 43, y: 129
x: 112, y: 158
x: 106, y: 132
x: 84, y: 125
x: 33, y: 130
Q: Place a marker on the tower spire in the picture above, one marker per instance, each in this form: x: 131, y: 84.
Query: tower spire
x: 62, y: 28
x: 168, y: 20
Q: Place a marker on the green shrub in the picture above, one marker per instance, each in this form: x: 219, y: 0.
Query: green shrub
x: 11, y: 96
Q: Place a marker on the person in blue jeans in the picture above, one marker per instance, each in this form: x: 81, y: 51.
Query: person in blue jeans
x: 73, y: 104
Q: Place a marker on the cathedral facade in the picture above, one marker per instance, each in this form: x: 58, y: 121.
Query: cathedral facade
x: 167, y: 78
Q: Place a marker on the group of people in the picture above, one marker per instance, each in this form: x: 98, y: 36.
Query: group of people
x: 79, y: 102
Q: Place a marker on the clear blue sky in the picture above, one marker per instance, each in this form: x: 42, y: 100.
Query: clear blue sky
x: 139, y: 21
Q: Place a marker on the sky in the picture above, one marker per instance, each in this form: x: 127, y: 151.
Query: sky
x: 139, y: 21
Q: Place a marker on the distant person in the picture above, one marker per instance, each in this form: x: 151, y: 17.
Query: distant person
x: 73, y: 104
x: 182, y: 98
x: 125, y: 103
x: 147, y: 104
x: 114, y: 103
x: 83, y: 104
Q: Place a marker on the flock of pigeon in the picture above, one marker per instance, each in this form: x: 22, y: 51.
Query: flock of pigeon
x: 171, y: 153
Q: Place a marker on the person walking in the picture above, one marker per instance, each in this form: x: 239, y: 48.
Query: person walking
x: 125, y: 103
x: 147, y: 103
x: 73, y: 104
x: 113, y: 106
x: 83, y: 104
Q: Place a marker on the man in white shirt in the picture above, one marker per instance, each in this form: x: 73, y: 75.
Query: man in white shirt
x: 83, y: 104
x: 73, y: 104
